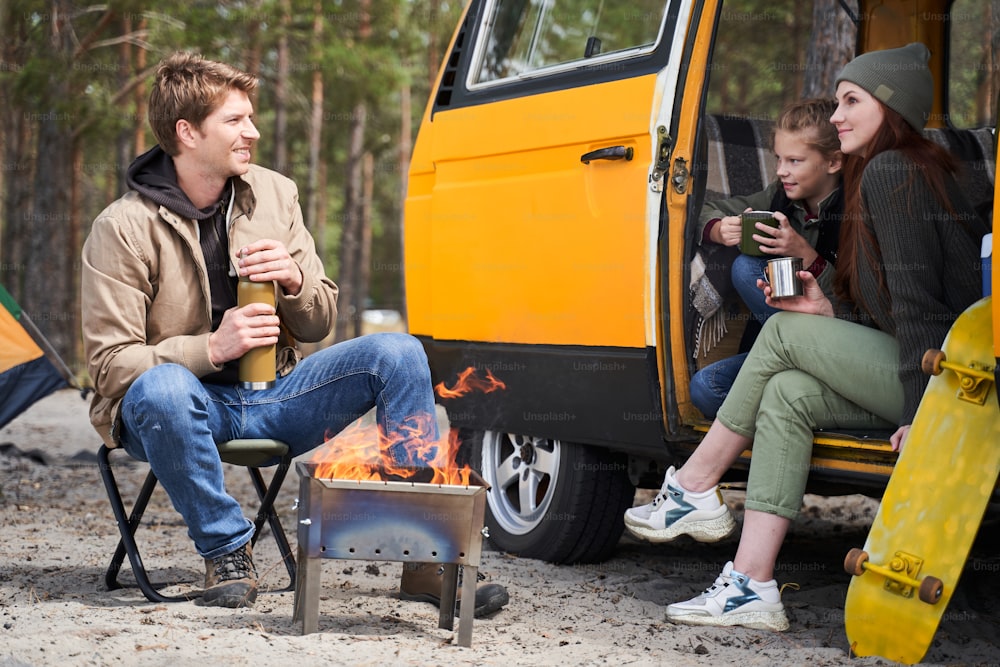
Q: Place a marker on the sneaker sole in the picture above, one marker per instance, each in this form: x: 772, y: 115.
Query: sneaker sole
x: 707, y: 530
x: 775, y: 621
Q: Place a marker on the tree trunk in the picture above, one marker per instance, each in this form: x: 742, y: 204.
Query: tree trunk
x: 16, y: 202
x: 253, y: 47
x: 280, y: 93
x: 831, y: 46
x: 49, y: 293
x: 350, y: 236
x: 141, y: 96
x: 115, y: 183
x: 315, y: 134
x: 405, y: 151
x: 365, y: 244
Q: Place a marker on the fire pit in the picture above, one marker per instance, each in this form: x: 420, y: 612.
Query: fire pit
x: 406, y: 521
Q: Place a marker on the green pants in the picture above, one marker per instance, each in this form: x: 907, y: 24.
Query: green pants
x: 807, y: 372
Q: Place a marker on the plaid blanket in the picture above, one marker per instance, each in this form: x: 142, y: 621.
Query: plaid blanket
x: 711, y: 286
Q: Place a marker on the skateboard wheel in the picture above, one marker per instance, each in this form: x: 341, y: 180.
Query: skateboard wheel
x: 931, y: 589
x: 855, y: 561
x: 931, y: 363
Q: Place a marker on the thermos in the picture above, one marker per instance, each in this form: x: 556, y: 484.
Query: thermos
x: 257, y: 367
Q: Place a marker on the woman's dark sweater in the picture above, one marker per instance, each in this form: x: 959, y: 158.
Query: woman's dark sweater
x: 928, y: 258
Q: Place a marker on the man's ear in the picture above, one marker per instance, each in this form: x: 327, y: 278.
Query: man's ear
x: 186, y: 133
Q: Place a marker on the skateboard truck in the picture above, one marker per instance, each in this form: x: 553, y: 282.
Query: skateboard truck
x: 900, y: 574
x: 974, y: 380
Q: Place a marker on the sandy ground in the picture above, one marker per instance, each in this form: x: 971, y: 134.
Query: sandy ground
x: 58, y: 533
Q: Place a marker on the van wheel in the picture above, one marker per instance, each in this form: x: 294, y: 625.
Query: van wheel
x: 556, y: 501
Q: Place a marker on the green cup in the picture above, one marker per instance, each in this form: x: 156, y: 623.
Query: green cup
x: 747, y: 245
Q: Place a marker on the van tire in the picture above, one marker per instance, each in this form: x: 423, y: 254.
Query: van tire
x: 582, y: 493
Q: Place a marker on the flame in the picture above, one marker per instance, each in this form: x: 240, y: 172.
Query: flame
x: 467, y: 382
x: 362, y: 451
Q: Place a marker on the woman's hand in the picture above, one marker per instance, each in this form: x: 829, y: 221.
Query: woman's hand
x: 899, y: 437
x: 813, y: 301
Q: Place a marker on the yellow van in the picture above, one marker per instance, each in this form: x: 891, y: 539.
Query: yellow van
x: 558, y: 172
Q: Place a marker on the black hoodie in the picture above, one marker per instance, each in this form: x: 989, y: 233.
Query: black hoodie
x: 154, y: 176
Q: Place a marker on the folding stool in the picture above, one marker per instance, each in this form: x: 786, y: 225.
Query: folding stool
x: 249, y: 453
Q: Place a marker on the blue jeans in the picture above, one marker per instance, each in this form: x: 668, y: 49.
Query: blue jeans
x: 746, y: 270
x: 173, y: 420
x: 711, y: 384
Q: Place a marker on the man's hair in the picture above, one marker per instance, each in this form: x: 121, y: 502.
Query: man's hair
x: 811, y: 117
x: 189, y: 87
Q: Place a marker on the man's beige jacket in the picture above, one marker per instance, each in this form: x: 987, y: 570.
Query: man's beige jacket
x: 145, y: 295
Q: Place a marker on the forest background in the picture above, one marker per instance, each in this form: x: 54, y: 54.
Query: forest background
x: 343, y: 88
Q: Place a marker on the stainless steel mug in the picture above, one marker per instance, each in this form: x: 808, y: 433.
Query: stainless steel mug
x: 781, y: 274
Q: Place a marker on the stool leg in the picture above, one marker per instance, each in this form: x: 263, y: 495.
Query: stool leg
x: 267, y: 494
x: 127, y: 527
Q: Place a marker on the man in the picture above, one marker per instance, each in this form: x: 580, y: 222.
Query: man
x: 163, y: 333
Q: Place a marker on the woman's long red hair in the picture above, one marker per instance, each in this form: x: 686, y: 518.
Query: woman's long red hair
x: 933, y: 164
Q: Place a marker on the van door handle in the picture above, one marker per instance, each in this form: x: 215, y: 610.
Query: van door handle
x: 609, y: 153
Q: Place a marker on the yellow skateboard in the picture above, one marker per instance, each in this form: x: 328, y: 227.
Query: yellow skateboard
x: 935, y: 500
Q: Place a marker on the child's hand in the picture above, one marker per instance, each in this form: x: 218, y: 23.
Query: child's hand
x: 786, y: 242
x: 727, y: 231
x: 813, y: 301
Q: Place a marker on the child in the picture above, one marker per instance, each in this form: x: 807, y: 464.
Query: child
x: 807, y: 203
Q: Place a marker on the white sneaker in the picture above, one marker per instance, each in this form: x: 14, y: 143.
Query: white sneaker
x: 734, y: 599
x: 675, y: 512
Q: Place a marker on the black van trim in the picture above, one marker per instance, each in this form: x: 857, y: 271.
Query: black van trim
x: 606, y: 396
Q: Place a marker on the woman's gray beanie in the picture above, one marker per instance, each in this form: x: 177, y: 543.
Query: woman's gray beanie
x: 899, y: 78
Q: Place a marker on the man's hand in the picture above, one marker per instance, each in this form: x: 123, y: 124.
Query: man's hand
x: 268, y: 260
x: 241, y: 330
x: 813, y: 301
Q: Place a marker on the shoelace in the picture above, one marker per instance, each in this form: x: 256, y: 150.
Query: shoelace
x: 662, y: 495
x: 720, y: 582
x: 235, y: 565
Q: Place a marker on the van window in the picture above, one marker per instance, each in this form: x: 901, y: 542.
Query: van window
x: 973, y: 71
x: 523, y: 37
x: 751, y: 74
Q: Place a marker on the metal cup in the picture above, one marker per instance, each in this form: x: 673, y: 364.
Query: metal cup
x: 781, y: 274
x: 748, y: 220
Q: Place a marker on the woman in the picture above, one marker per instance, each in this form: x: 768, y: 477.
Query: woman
x: 907, y: 267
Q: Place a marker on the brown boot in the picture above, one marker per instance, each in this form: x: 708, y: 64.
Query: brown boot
x: 230, y: 579
x: 421, y: 582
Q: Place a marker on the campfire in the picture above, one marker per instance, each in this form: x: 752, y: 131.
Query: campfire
x: 361, y: 451
x: 358, y: 502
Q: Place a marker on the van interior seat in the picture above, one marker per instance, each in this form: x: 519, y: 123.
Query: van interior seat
x: 740, y: 158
